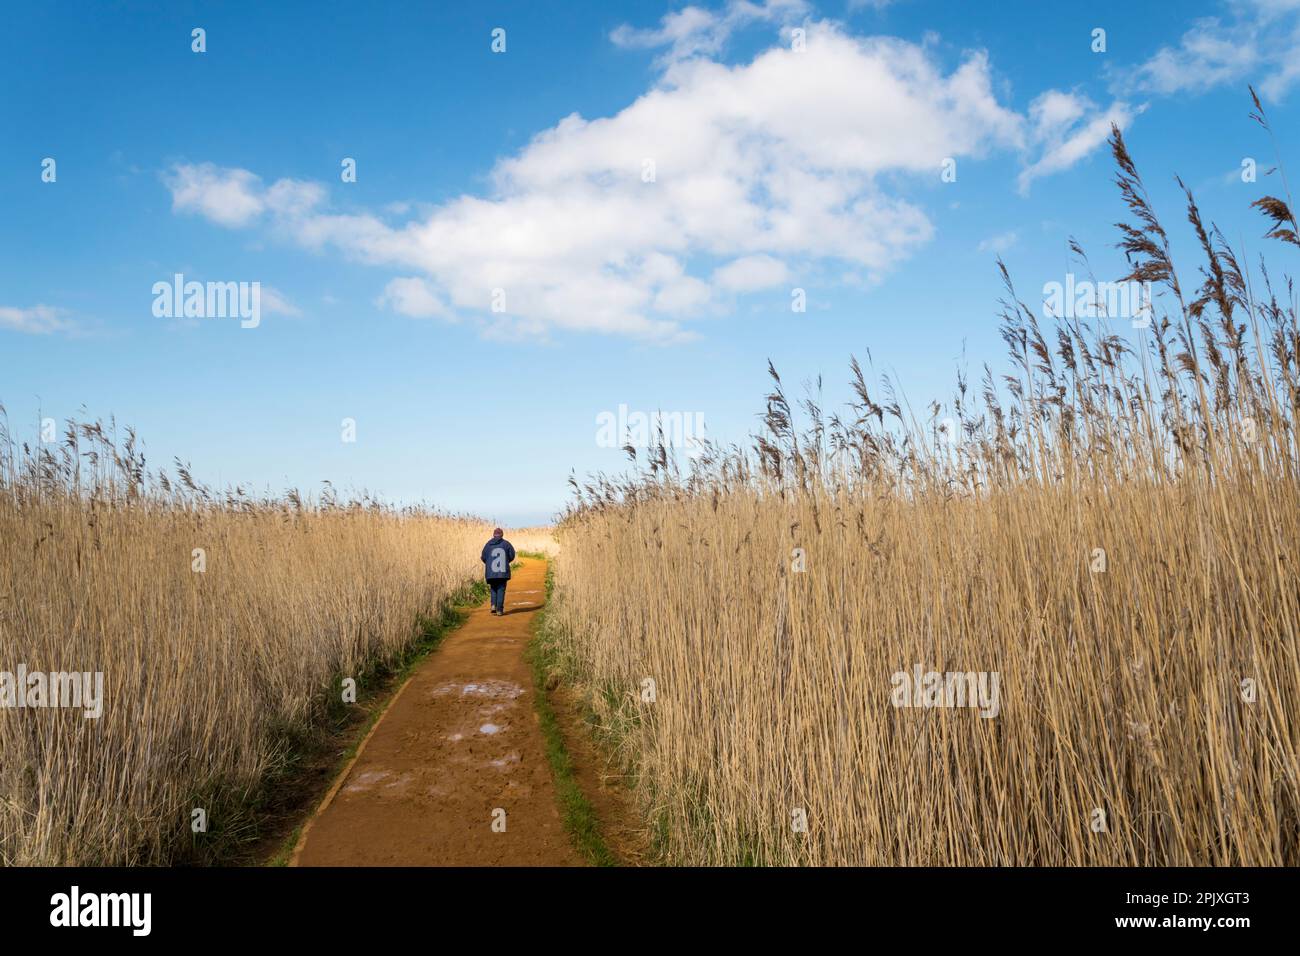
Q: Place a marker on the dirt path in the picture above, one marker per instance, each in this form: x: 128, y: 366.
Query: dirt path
x: 459, y: 741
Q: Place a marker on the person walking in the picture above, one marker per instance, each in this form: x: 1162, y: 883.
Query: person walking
x: 498, y: 555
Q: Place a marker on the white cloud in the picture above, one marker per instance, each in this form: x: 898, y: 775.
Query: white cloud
x: 1258, y: 41
x: 35, y: 320
x: 236, y: 197
x: 412, y: 296
x: 1207, y: 55
x: 766, y: 166
x: 1066, y: 127
x: 1055, y: 111
x: 694, y: 31
x: 750, y: 273
x: 293, y: 198
x: 1000, y: 243
x: 230, y: 197
x: 274, y: 302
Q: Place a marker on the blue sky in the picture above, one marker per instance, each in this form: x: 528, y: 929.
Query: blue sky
x: 524, y: 172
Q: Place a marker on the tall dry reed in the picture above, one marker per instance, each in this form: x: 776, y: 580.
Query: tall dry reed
x: 1113, y: 530
x: 538, y: 539
x: 221, y: 624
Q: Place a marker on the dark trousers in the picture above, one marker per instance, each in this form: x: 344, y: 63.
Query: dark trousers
x: 498, y: 589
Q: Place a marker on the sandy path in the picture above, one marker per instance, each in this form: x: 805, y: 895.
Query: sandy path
x: 459, y: 741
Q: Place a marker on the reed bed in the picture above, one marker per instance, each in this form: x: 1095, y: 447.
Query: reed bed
x: 1112, y: 529
x: 223, y: 625
x: 539, y: 539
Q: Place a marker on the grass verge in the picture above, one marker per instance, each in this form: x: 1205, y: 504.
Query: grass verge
x: 576, y: 810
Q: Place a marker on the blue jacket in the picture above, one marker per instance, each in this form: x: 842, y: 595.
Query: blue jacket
x: 497, y: 557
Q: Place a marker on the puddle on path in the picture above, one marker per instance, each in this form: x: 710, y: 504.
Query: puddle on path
x: 492, y: 689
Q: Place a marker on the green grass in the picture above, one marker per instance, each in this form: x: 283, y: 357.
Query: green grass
x: 610, y: 728
x: 576, y: 810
